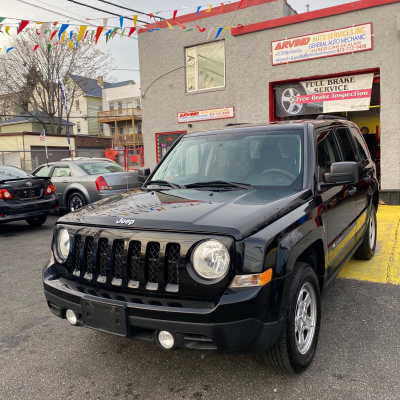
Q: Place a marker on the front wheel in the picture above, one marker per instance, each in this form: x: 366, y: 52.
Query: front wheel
x: 76, y: 201
x: 367, y: 247
x: 36, y: 221
x: 295, y: 348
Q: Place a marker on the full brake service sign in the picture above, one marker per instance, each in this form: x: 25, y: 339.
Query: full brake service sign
x: 323, y: 44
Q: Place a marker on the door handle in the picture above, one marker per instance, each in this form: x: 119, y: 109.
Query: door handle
x: 64, y: 181
x: 352, y: 191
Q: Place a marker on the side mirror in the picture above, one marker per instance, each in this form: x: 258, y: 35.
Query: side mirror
x: 342, y: 173
x: 143, y: 174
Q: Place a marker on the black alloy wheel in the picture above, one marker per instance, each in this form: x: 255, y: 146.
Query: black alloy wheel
x: 76, y: 201
x: 368, y: 245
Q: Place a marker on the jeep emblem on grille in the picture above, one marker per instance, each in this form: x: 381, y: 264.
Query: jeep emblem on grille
x: 29, y: 183
x: 126, y: 221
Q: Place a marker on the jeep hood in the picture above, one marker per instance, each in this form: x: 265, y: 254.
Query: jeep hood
x: 237, y: 213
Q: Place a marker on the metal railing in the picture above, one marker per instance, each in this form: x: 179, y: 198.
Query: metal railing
x: 129, y: 139
x: 121, y: 113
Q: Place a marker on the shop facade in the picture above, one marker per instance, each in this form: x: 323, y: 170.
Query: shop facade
x: 274, y: 66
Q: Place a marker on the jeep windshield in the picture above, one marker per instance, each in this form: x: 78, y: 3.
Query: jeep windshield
x: 235, y: 160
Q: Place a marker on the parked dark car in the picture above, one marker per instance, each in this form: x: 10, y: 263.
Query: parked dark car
x: 228, y: 246
x: 85, y: 180
x: 25, y: 197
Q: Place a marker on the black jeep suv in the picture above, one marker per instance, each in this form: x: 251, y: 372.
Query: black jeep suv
x: 228, y: 245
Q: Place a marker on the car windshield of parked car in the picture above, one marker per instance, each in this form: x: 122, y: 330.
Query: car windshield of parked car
x: 265, y: 159
x: 101, y: 167
x: 7, y: 172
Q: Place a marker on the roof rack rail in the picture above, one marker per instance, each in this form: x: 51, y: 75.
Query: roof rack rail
x: 237, y: 123
x: 327, y: 116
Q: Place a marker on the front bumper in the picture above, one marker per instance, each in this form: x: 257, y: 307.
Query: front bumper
x: 21, y: 211
x: 202, y: 328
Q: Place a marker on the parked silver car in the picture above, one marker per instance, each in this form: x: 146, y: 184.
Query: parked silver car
x: 86, y: 180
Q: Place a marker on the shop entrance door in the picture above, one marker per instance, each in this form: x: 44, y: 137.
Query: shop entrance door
x: 165, y: 140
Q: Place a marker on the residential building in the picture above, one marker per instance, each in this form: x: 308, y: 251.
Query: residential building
x: 122, y: 116
x: 87, y: 101
x: 275, y: 65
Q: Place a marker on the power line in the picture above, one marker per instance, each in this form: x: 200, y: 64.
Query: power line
x: 126, y: 8
x: 99, y: 9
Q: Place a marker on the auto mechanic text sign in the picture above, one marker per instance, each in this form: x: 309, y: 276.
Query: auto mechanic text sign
x: 204, y: 115
x: 324, y: 44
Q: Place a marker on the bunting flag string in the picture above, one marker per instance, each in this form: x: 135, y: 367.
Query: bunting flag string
x: 98, y: 33
x: 198, y: 9
x: 82, y: 30
x: 174, y: 15
x: 200, y: 29
x: 209, y: 8
x: 169, y: 25
x: 150, y: 16
x: 53, y: 34
x: 22, y: 25
x: 7, y: 30
x: 36, y: 47
x: 62, y: 30
x: 121, y: 21
x: 131, y: 31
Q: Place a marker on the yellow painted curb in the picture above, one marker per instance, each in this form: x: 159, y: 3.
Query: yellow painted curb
x: 384, y: 267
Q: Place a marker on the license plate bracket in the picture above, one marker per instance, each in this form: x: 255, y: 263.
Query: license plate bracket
x: 105, y: 317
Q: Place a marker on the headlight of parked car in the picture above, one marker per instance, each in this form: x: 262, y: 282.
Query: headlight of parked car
x: 62, y: 245
x: 211, y: 259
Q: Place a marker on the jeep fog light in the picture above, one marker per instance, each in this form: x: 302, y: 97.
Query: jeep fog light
x: 251, y: 280
x: 166, y: 340
x: 211, y: 259
x: 71, y: 317
x: 62, y: 245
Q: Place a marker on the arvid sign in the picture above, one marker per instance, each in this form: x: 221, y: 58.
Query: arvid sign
x: 205, y: 115
x: 323, y: 44
x: 346, y: 93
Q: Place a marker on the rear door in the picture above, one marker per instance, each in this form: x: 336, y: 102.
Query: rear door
x: 339, y: 203
x: 366, y: 170
x: 61, y: 177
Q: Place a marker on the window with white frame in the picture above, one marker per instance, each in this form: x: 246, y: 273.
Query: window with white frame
x: 111, y: 106
x: 112, y: 130
x: 121, y: 130
x: 139, y: 128
x: 205, y: 67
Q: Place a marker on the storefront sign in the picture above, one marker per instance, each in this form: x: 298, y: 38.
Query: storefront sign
x: 204, y: 115
x: 324, y: 44
x: 347, y: 93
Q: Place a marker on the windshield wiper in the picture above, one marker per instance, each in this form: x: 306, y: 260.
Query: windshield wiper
x: 173, y: 185
x: 218, y: 183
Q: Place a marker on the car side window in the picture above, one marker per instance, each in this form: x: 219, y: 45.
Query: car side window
x: 360, y: 144
x: 43, y: 171
x: 327, y: 152
x: 346, y: 144
x: 60, y: 172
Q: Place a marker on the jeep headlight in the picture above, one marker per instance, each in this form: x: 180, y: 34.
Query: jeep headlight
x: 211, y: 259
x: 62, y: 245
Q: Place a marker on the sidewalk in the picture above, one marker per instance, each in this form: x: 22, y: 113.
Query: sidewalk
x: 385, y: 265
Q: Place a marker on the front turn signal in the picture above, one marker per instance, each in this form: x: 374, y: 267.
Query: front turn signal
x: 251, y: 280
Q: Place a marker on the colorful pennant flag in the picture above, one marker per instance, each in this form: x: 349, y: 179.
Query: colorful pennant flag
x: 82, y: 30
x: 98, y: 33
x: 174, y: 15
x: 209, y: 8
x: 10, y: 48
x: 154, y: 29
x: 2, y: 19
x: 181, y: 25
x: 123, y: 33
x: 219, y: 32
x: 70, y: 35
x: 63, y: 36
x: 131, y: 31
x: 91, y: 36
x: 53, y: 34
x: 188, y: 30
x: 169, y: 25
x: 86, y: 33
x: 198, y: 9
x: 150, y: 16
x: 70, y: 45
x: 222, y: 7
x: 36, y: 47
x: 44, y: 27
x: 7, y: 29
x: 22, y: 25
x: 200, y: 29
x: 134, y: 20
x: 241, y: 1
x: 48, y: 48
x: 121, y: 21
x: 62, y: 30
x: 105, y: 20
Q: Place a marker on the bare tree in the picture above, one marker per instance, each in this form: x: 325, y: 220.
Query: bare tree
x: 31, y: 77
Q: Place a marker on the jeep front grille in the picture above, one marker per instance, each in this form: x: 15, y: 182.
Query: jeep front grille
x: 133, y: 264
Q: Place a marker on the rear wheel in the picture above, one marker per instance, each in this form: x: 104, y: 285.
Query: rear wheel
x: 76, y: 201
x: 36, y: 221
x: 295, y: 348
x: 367, y: 247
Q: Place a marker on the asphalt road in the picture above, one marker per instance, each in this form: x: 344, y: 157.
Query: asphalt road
x: 43, y: 357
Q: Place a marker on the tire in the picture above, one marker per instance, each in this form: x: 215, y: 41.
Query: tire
x: 36, y: 221
x: 367, y: 247
x: 76, y: 201
x: 289, y: 354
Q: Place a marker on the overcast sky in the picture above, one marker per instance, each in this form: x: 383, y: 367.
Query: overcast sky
x: 124, y: 51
